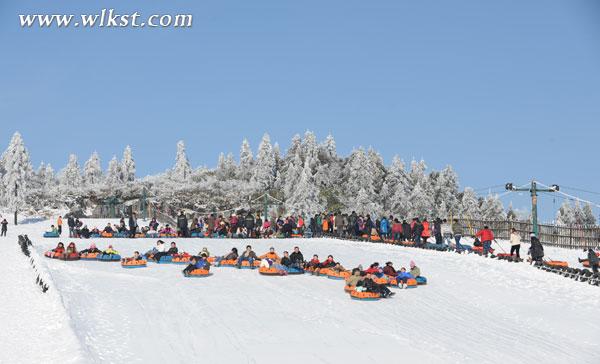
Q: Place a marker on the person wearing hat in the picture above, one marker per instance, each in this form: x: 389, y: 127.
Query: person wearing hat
x: 375, y: 269
x: 91, y: 249
x: 536, y: 250
x: 414, y: 270
x: 204, y: 252
x: 389, y: 270
x: 110, y: 251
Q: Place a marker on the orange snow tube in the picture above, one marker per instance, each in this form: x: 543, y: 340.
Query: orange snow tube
x: 338, y: 275
x: 557, y: 264
x: 211, y: 260
x: 271, y: 271
x: 324, y: 271
x: 130, y: 263
x: 199, y: 273
x: 107, y: 235
x: 411, y: 283
x: 364, y: 296
x: 181, y: 258
x: 375, y: 238
x: 381, y: 280
x: 296, y: 235
x: 228, y: 263
x: 246, y: 263
x: 89, y: 256
x: 349, y: 289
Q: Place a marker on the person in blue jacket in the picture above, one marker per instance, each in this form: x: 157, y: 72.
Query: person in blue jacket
x: 402, y: 277
x: 197, y: 263
x: 384, y: 228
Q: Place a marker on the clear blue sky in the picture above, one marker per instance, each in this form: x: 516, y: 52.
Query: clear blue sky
x: 503, y: 91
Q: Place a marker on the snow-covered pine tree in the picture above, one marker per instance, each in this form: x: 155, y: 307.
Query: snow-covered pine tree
x: 310, y: 151
x: 588, y: 215
x: 92, y: 170
x: 578, y: 213
x: 292, y: 174
x: 17, y: 174
x: 70, y: 179
x: 263, y: 175
x: 469, y: 205
x: 358, y: 180
x: 128, y: 165
x: 511, y: 214
x: 113, y: 173
x: 492, y: 208
x: 49, y: 177
x: 421, y: 199
x: 246, y: 161
x: 445, y: 191
x: 565, y: 215
x: 305, y: 199
x: 182, y: 171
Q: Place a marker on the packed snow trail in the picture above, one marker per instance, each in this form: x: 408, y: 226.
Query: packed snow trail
x: 473, y: 309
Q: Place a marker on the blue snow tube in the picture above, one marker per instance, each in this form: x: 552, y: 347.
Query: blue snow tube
x: 109, y: 257
x: 165, y: 259
x: 421, y: 280
x: 292, y: 271
x: 197, y: 235
x: 50, y: 234
x: 152, y: 235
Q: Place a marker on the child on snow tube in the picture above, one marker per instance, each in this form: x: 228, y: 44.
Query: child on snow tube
x: 354, y: 279
x: 403, y: 277
x: 57, y: 252
x: 53, y: 231
x: 172, y: 251
x: 197, y: 263
x: 233, y: 255
x: 248, y: 255
x: 270, y: 255
x: 110, y: 251
x: 375, y: 270
x: 136, y: 256
x: 369, y: 285
x: 71, y: 252
x: 313, y: 264
x: 92, y: 249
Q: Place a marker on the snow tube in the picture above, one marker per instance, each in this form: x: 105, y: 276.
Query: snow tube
x: 51, y: 254
x: 393, y: 281
x: 163, y: 235
x: 324, y: 272
x: 50, y: 234
x: 140, y: 235
x: 152, y: 235
x: 338, y: 275
x: 165, y: 259
x: 95, y: 236
x: 107, y: 235
x: 271, y: 271
x: 296, y: 235
x: 211, y: 260
x: 479, y: 250
x: 72, y: 256
x: 109, y: 257
x: 228, y: 263
x: 375, y: 238
x: 411, y: 283
x: 349, y: 289
x: 556, y: 264
x: 382, y: 280
x: 120, y: 235
x: 197, y: 235
x: 181, y: 259
x: 364, y: 296
x: 199, y: 273
x: 293, y: 271
x: 421, y: 280
x: 246, y: 264
x: 408, y: 243
x: 89, y: 256
x: 133, y: 263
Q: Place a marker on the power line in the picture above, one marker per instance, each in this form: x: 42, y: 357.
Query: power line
x: 580, y: 190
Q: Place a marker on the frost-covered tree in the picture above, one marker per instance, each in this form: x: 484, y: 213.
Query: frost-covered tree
x: 70, y: 178
x: 359, y: 183
x: 421, y: 199
x: 511, y: 214
x: 492, y: 208
x: 226, y: 168
x: 469, y: 205
x: 293, y: 173
x: 182, y: 171
x: 17, y: 174
x: 565, y: 215
x: 264, y: 169
x: 128, y: 165
x: 246, y: 161
x: 113, y: 174
x: 92, y: 170
x: 305, y: 199
x: 396, y: 189
x: 445, y: 191
x: 578, y: 212
x: 310, y: 151
x: 588, y: 215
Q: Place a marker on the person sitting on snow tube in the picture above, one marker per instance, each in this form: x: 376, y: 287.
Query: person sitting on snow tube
x: 172, y: 251
x: 53, y: 230
x: 160, y: 246
x: 167, y: 230
x: 369, y: 285
x: 248, y: 255
x: 270, y: 255
x: 71, y: 252
x: 108, y: 229
x: 328, y: 263
x: 313, y: 264
x: 110, y: 251
x: 296, y: 258
x: 58, y: 251
x: 389, y: 270
x: 92, y: 249
x: 85, y: 232
x: 592, y: 260
x: 285, y: 260
x: 355, y: 278
x: 414, y: 270
x: 197, y: 263
x: 375, y: 269
x: 136, y: 256
x: 403, y: 277
x: 338, y: 268
x: 233, y: 255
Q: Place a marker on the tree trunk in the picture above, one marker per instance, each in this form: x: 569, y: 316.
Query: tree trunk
x: 15, y: 217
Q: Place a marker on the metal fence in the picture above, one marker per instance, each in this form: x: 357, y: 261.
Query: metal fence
x: 572, y: 237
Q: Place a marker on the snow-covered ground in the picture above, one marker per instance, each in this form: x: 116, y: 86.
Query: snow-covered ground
x: 473, y: 310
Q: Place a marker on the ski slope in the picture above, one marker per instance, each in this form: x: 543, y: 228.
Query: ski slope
x: 473, y: 309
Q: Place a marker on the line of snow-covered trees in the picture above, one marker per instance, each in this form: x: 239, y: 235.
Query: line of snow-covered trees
x: 569, y: 215
x: 310, y: 177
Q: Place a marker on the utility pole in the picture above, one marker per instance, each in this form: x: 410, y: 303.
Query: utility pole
x: 265, y: 205
x: 533, y: 190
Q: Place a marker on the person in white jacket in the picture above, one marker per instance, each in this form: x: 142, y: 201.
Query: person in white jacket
x: 446, y: 230
x: 515, y: 242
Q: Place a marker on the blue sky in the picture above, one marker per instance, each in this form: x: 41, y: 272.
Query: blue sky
x: 503, y: 91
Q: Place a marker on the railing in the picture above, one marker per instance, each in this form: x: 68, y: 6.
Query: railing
x: 572, y: 237
x: 25, y: 243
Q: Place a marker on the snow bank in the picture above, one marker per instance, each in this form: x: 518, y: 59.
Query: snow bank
x: 473, y: 310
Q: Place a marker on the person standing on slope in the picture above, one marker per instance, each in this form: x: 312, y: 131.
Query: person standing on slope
x: 515, y: 242
x: 384, y: 228
x: 426, y: 233
x: 536, y: 250
x: 592, y: 260
x: 132, y: 225
x: 59, y: 225
x: 4, y: 224
x: 486, y: 236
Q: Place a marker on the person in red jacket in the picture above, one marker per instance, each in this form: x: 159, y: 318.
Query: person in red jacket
x: 313, y: 264
x: 389, y: 270
x: 397, y: 230
x: 375, y: 269
x: 426, y: 234
x: 486, y: 236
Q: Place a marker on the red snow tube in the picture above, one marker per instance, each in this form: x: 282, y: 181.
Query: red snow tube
x: 296, y: 235
x: 51, y: 254
x: 503, y: 255
x: 72, y: 256
x: 365, y: 296
x: 269, y: 271
x: 479, y: 249
x: 556, y: 264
